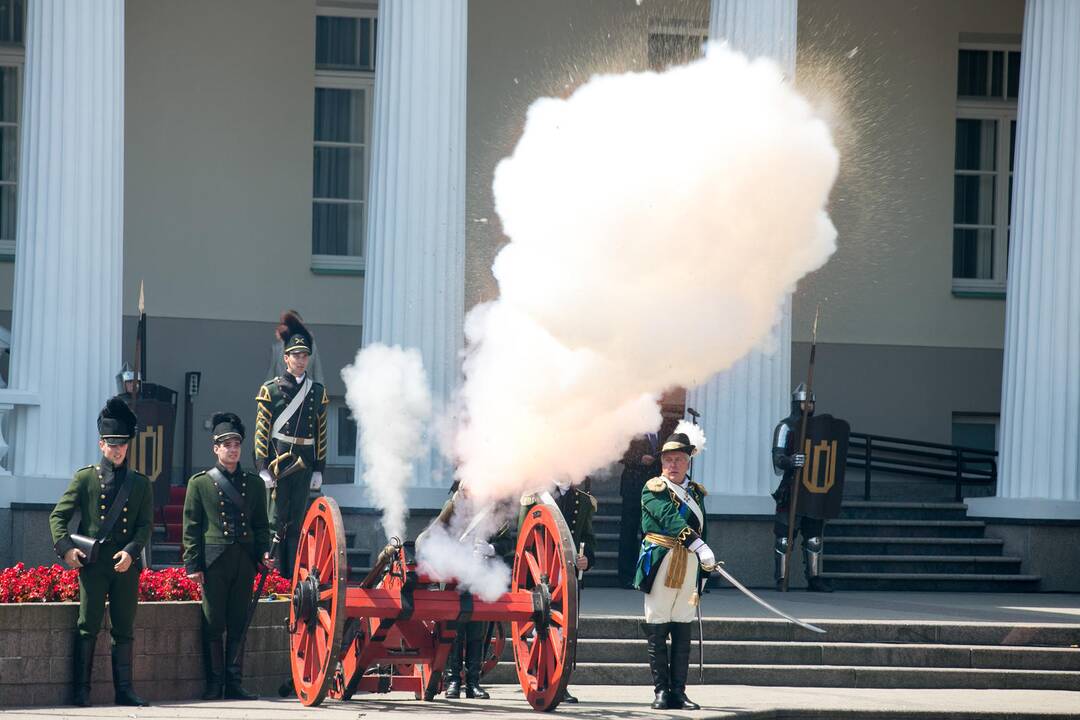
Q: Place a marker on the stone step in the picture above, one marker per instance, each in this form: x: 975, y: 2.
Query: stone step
x: 586, y: 673
x: 933, y: 582
x: 905, y: 528
x: 852, y: 654
x: 874, y: 510
x: 607, y: 542
x: 165, y: 554
x: 1050, y: 635
x: 608, y: 504
x: 912, y: 546
x: 976, y: 564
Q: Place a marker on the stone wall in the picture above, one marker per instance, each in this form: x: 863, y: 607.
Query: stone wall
x: 36, y: 653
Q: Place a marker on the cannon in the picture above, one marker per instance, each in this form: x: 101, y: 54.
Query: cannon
x: 392, y: 631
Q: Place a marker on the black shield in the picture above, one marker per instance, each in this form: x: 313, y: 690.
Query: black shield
x: 152, y: 447
x: 821, y: 486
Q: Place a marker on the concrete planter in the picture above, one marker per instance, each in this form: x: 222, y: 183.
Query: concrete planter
x: 36, y: 646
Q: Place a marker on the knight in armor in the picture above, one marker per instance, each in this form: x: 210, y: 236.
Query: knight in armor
x: 126, y: 380
x: 577, y: 508
x: 226, y: 536
x: 290, y: 437
x: 673, y: 555
x: 787, y: 461
x: 115, y: 508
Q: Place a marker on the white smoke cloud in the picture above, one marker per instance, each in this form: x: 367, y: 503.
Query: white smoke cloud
x: 387, y: 391
x: 656, y: 223
x: 443, y: 556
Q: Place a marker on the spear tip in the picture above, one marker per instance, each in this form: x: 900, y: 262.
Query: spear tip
x: 142, y: 299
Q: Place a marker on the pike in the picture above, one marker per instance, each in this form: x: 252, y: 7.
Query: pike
x: 800, y: 472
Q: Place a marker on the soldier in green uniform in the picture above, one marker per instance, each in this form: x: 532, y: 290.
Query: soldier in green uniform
x: 472, y: 637
x: 226, y: 535
x: 115, y: 520
x: 290, y: 437
x: 577, y: 508
x: 673, y: 523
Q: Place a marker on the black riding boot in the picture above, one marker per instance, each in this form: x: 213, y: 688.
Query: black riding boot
x: 121, y: 674
x: 214, y: 661
x: 452, y: 672
x: 474, y: 660
x: 84, y: 668
x: 234, y: 672
x: 656, y: 635
x: 680, y: 667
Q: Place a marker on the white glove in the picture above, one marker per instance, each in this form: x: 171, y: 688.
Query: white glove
x: 267, y: 479
x: 798, y: 460
x: 316, y: 480
x: 483, y: 549
x: 704, y: 553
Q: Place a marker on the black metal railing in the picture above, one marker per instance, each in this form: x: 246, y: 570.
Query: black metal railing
x: 914, y: 458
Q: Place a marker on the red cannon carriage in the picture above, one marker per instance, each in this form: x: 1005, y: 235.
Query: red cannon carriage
x: 393, y: 630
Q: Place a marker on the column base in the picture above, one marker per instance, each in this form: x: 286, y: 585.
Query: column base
x: 1023, y: 508
x: 722, y: 504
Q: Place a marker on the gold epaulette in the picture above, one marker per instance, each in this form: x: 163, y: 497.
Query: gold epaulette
x: 527, y: 500
x: 700, y: 488
x: 87, y: 467
x: 264, y: 394
x: 657, y: 484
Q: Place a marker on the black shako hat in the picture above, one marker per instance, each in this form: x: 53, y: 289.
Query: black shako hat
x: 292, y: 333
x: 678, y: 442
x: 226, y: 425
x: 116, y: 423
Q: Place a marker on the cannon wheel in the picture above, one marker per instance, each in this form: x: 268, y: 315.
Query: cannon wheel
x: 545, y: 646
x: 317, y: 611
x: 494, y: 648
x: 348, y: 674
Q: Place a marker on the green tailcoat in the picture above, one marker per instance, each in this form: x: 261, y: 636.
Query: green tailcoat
x: 308, y: 423
x: 664, y: 514
x: 212, y: 522
x: 86, y: 495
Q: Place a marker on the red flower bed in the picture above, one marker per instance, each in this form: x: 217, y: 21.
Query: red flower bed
x: 53, y: 583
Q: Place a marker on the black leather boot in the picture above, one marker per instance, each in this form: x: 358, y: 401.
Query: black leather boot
x: 568, y: 698
x: 680, y: 667
x: 234, y: 672
x: 452, y: 671
x: 656, y: 635
x: 474, y: 660
x: 83, y: 653
x: 121, y: 673
x: 214, y: 661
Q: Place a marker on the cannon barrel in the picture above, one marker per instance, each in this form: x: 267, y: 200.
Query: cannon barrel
x: 378, y: 569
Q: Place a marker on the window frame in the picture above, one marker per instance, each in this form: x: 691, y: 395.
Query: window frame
x: 1004, y: 112
x: 333, y: 459
x: 14, y: 56
x: 325, y: 264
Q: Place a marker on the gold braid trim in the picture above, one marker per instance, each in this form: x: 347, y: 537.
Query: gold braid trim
x: 676, y: 572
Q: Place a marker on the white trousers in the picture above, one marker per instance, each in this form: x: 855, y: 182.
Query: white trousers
x: 664, y: 604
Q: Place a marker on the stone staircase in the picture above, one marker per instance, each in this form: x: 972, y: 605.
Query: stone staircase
x: 853, y: 653
x: 917, y: 546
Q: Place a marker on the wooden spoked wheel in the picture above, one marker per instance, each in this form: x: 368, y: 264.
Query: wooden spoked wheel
x: 545, y: 645
x: 355, y: 635
x: 317, y: 611
x: 494, y: 648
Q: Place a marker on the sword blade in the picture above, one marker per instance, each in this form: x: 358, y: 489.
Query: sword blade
x: 746, y: 591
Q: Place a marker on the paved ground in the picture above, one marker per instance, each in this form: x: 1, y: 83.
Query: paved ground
x: 910, y: 606
x: 622, y: 703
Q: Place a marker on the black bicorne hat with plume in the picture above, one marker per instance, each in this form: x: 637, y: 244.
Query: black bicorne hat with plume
x: 226, y: 425
x: 116, y: 423
x: 293, y: 334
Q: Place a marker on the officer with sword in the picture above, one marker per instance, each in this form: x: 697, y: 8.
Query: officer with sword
x: 290, y: 436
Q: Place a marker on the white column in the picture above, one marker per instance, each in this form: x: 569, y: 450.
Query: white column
x: 1039, y: 463
x: 740, y: 407
x: 66, y: 324
x: 415, y: 267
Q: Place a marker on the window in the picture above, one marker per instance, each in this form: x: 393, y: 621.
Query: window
x: 988, y: 83
x: 340, y: 434
x: 344, y: 91
x: 12, y: 56
x: 675, y: 43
